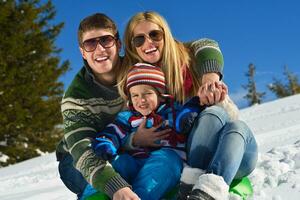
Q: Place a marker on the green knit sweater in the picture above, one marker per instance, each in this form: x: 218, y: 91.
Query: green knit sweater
x: 87, y: 107
x: 208, y: 56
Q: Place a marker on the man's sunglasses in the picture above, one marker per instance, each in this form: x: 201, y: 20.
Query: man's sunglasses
x: 155, y: 35
x: 105, y: 41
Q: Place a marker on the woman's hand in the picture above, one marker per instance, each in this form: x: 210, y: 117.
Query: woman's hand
x: 149, y: 137
x: 125, y: 194
x: 211, y: 93
x: 210, y: 78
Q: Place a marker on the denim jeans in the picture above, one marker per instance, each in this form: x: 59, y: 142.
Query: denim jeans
x: 150, y: 177
x: 70, y: 176
x: 222, y: 147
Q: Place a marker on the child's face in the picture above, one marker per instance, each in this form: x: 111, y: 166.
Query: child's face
x: 102, y: 60
x: 144, y: 98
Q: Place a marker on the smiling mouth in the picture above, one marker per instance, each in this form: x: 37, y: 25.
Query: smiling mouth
x: 145, y: 109
x: 100, y: 59
x: 143, y: 106
x: 147, y: 51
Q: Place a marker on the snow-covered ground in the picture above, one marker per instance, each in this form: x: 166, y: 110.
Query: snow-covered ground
x: 277, y: 177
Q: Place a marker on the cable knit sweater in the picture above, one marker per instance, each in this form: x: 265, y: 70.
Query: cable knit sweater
x: 87, y: 107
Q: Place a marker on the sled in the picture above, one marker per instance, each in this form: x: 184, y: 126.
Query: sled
x: 241, y: 187
x: 97, y: 196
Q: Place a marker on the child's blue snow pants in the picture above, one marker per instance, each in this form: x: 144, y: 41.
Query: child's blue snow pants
x: 150, y: 177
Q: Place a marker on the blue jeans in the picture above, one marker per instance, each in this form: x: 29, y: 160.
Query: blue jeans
x: 70, y: 176
x: 150, y: 177
x: 217, y: 145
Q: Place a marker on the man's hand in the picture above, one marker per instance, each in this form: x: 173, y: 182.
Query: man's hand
x: 149, y: 137
x: 125, y: 194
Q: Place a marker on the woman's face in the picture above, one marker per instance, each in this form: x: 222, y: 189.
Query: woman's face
x: 152, y: 48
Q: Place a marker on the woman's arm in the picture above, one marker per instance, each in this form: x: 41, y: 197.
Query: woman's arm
x: 209, y: 59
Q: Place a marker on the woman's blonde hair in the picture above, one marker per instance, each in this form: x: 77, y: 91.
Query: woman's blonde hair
x: 175, y: 56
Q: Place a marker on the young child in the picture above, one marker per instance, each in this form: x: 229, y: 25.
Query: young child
x: 149, y: 106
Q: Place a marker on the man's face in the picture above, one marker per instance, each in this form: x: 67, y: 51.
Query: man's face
x: 102, y: 59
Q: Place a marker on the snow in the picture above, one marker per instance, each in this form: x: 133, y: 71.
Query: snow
x: 3, y: 157
x: 276, y: 126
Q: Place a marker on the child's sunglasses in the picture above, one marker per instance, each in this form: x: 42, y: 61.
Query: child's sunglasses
x: 105, y: 41
x: 154, y: 35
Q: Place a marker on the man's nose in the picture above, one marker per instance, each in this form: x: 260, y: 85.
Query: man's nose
x: 100, y: 47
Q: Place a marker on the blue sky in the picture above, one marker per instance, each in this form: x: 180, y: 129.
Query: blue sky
x: 265, y: 33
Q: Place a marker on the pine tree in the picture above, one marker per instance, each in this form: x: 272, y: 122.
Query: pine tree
x: 30, y: 92
x: 282, y: 90
x: 253, y: 96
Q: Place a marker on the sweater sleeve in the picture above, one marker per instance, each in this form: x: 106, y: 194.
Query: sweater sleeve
x: 208, y: 56
x: 86, y: 111
x: 79, y: 126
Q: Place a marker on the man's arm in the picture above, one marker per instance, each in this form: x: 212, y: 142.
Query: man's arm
x: 81, y: 125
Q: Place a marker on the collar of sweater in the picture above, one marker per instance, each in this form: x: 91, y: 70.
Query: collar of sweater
x: 90, y: 77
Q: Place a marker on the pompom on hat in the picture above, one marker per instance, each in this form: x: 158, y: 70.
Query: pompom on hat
x: 146, y: 74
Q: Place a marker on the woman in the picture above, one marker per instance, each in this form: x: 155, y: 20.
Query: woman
x: 219, y: 149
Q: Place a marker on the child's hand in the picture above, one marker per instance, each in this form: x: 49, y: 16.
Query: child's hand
x: 104, y: 148
x: 185, y: 121
x: 186, y: 116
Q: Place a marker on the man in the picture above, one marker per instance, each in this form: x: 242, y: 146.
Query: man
x: 89, y: 104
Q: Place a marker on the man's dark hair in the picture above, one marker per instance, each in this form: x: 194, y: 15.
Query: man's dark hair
x: 96, y: 21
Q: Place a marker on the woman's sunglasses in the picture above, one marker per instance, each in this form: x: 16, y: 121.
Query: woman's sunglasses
x: 105, y: 41
x: 155, y: 35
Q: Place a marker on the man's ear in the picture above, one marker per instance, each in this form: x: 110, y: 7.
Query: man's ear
x: 82, y: 52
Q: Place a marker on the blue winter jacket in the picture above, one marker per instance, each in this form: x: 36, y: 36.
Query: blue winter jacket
x: 177, y: 117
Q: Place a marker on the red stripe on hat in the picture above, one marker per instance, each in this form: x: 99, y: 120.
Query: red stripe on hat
x: 148, y: 75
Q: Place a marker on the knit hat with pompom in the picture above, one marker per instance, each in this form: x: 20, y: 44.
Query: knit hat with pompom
x: 146, y: 74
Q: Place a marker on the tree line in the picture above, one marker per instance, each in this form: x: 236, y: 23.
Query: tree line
x: 290, y: 86
x: 30, y: 90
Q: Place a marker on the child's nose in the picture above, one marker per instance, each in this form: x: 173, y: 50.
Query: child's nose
x: 143, y: 99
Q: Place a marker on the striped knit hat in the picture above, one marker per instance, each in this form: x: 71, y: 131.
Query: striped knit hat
x: 146, y: 74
